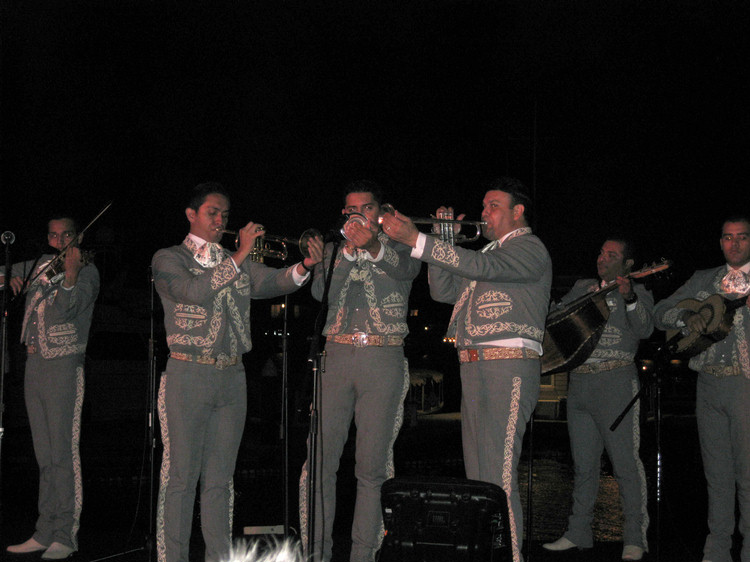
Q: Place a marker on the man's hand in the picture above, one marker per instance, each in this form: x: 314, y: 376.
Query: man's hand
x: 248, y: 234
x: 400, y: 228
x: 625, y: 287
x: 314, y: 251
x: 16, y: 284
x: 73, y: 265
x: 364, y: 237
x: 695, y: 322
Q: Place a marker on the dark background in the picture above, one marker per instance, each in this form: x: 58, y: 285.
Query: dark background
x: 621, y: 115
x: 627, y: 115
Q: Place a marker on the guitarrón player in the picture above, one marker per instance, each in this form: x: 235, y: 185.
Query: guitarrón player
x: 599, y: 391
x: 723, y: 387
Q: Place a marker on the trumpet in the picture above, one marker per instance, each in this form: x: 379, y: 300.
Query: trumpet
x: 264, y: 245
x: 445, y: 225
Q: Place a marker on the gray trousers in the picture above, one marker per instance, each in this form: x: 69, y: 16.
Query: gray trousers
x: 498, y: 399
x: 53, y: 391
x: 368, y: 384
x: 595, y: 400
x: 723, y: 413
x: 202, y: 414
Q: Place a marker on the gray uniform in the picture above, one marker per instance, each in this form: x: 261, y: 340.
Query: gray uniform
x: 366, y: 383
x: 499, y: 294
x: 722, y: 399
x: 202, y: 396
x: 599, y: 391
x: 55, y: 330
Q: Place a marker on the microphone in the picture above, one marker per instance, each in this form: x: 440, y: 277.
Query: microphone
x: 8, y: 237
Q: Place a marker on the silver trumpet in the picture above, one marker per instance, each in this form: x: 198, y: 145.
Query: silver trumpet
x: 350, y: 219
x: 443, y: 226
x: 273, y: 246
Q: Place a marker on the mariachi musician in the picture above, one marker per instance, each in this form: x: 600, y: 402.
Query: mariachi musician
x: 365, y: 377
x: 501, y: 297
x: 599, y: 391
x: 206, y: 291
x: 710, y: 313
x: 60, y: 294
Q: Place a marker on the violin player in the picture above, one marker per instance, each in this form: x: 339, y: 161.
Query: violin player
x: 59, y: 308
x: 599, y: 390
x: 723, y: 385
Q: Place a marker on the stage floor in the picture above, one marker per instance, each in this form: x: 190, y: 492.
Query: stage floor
x: 117, y: 487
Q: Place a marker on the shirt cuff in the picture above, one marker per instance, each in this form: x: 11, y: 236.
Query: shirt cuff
x: 299, y: 280
x: 418, y: 250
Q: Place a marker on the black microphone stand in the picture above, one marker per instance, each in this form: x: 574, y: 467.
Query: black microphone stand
x: 149, y: 542
x: 7, y: 238
x: 152, y: 417
x: 663, y: 354
x: 316, y: 358
x: 284, y: 427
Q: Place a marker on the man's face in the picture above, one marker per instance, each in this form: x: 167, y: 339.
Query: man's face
x: 611, y: 261
x: 735, y: 243
x: 60, y: 233
x: 501, y: 217
x: 210, y: 218
x: 362, y: 202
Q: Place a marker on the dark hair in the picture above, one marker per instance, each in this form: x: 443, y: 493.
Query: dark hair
x: 519, y: 193
x: 628, y: 247
x: 199, y: 193
x: 735, y: 217
x: 64, y: 217
x: 365, y: 186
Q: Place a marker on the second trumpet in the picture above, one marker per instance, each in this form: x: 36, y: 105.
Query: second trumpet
x: 445, y: 226
x: 273, y: 246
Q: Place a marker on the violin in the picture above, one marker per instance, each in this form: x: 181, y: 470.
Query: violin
x: 54, y: 272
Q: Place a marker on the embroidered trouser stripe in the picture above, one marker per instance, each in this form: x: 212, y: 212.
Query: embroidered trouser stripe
x: 202, y: 415
x: 595, y: 400
x: 53, y: 391
x: 76, y: 454
x: 368, y: 385
x: 498, y: 398
x: 723, y: 417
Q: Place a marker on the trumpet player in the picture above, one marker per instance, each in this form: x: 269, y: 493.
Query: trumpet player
x: 55, y: 329
x: 206, y: 292
x: 365, y: 376
x: 501, y: 296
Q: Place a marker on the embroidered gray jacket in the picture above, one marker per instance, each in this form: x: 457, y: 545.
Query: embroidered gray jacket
x: 499, y: 294
x: 624, y: 329
x: 207, y: 310
x: 729, y: 352
x: 386, y: 284
x: 57, y: 320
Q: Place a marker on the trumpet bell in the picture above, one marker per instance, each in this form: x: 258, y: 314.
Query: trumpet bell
x: 272, y: 246
x: 350, y: 219
x: 304, y: 240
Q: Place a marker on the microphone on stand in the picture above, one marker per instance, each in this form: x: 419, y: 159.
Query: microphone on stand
x: 8, y: 237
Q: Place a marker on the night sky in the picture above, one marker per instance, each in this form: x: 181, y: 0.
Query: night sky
x: 620, y: 114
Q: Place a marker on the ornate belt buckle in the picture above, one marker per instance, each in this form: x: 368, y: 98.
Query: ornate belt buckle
x: 359, y: 339
x: 223, y: 361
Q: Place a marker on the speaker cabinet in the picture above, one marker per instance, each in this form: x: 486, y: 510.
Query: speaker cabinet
x: 449, y: 519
